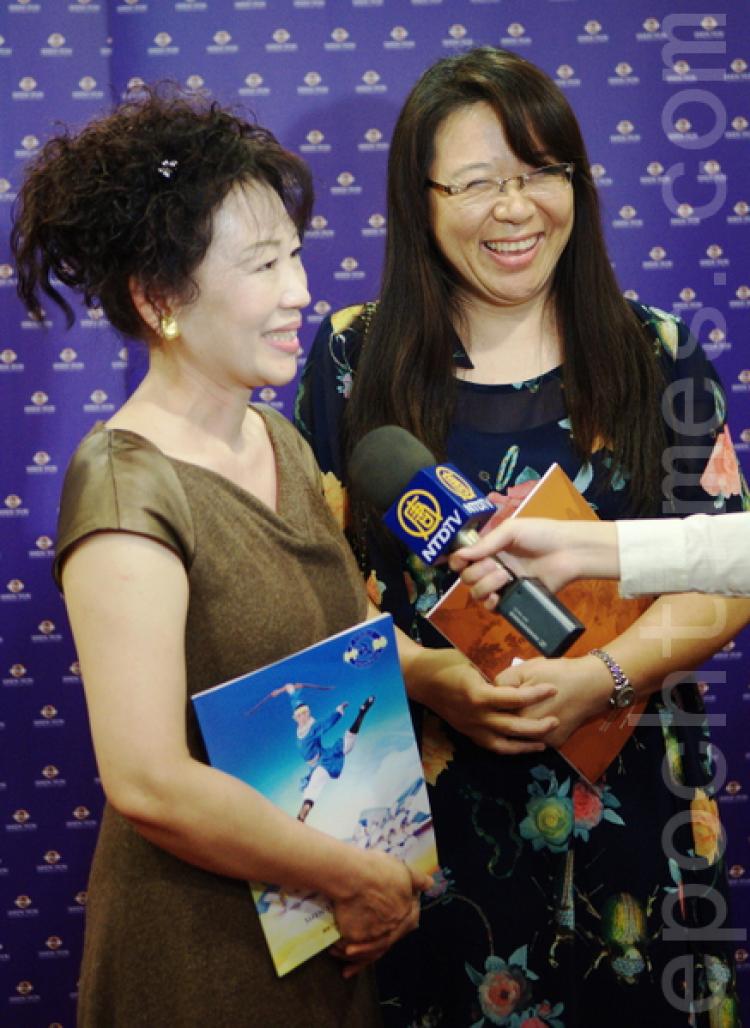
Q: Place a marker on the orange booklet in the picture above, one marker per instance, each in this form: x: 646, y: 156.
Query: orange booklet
x: 491, y: 643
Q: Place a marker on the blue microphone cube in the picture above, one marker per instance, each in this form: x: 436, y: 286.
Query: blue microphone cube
x: 435, y: 506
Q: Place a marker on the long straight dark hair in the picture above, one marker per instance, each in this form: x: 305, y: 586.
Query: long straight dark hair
x: 406, y: 376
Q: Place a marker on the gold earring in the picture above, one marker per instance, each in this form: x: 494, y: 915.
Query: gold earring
x: 168, y: 327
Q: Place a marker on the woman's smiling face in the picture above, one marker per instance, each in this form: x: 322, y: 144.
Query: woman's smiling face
x: 505, y: 249
x: 241, y: 330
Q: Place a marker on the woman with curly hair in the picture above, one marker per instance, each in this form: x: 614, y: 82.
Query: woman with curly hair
x: 188, y: 523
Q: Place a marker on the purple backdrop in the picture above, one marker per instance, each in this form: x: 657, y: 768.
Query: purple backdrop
x: 664, y: 103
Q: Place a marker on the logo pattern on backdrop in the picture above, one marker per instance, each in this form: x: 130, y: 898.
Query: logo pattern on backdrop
x: 663, y: 101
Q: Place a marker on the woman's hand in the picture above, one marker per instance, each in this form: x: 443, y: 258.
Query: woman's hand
x: 382, y: 907
x: 582, y: 687
x: 493, y: 716
x: 557, y: 552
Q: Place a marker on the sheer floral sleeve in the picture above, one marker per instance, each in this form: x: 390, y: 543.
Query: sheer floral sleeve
x: 702, y: 474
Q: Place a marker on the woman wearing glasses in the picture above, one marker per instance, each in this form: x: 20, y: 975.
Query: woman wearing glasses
x: 502, y: 341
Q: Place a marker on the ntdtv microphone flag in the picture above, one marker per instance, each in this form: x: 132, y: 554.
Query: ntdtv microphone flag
x: 433, y: 510
x: 438, y: 504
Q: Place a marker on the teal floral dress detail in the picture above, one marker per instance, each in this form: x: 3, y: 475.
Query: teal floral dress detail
x: 559, y: 904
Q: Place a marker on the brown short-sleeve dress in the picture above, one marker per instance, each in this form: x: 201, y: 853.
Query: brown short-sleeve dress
x: 168, y: 945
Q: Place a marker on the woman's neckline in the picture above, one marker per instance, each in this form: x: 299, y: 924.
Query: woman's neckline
x: 526, y: 383
x: 258, y: 409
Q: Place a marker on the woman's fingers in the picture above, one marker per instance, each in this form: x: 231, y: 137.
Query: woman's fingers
x: 484, y: 568
x: 519, y: 727
x: 483, y: 578
x: 512, y: 697
x: 358, y: 955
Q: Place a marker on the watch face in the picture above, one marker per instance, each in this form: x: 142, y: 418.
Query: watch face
x: 625, y: 697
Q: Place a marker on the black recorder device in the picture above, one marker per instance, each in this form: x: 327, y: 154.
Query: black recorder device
x: 534, y: 611
x: 434, y: 510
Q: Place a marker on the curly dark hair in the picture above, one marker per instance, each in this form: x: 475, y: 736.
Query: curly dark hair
x: 132, y: 196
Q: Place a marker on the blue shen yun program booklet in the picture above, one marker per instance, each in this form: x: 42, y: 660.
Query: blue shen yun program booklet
x: 326, y: 735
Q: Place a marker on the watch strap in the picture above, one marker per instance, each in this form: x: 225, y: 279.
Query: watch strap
x: 619, y: 678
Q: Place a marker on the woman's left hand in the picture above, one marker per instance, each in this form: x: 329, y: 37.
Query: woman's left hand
x: 583, y: 687
x: 355, y: 949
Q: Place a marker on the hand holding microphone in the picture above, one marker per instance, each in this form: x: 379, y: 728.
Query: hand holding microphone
x: 556, y: 552
x: 434, y: 510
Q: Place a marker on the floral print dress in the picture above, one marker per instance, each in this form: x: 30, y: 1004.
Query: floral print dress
x: 558, y: 905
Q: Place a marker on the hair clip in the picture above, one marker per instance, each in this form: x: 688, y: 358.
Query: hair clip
x: 167, y: 168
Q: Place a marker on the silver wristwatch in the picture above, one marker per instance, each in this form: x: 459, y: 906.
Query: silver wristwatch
x: 623, y: 693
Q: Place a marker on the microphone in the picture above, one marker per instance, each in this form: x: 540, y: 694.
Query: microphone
x: 434, y: 509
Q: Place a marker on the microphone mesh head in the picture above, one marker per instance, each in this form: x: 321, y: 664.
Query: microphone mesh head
x: 384, y: 462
